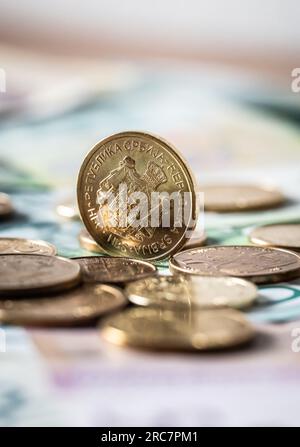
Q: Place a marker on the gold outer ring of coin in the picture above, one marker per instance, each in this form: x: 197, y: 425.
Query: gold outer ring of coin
x: 14, y: 245
x: 113, y: 270
x: 6, y: 207
x: 84, y: 303
x: 160, y: 329
x: 233, y: 197
x: 88, y: 243
x: 38, y: 274
x: 286, y: 236
x: 235, y: 263
x: 129, y: 249
x: 192, y: 291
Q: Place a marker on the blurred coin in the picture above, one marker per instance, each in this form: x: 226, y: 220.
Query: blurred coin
x: 162, y: 329
x: 6, y: 207
x: 32, y: 274
x: 137, y: 162
x: 257, y: 264
x: 197, y: 240
x: 105, y: 269
x: 278, y: 235
x: 12, y: 245
x: 75, y: 306
x: 192, y: 291
x: 88, y: 243
x: 68, y: 210
x: 231, y: 198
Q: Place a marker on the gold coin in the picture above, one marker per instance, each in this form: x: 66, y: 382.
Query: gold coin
x: 278, y: 235
x: 88, y: 243
x: 192, y: 291
x: 13, y: 245
x: 162, y: 329
x: 232, y: 198
x: 257, y: 264
x: 68, y: 210
x: 140, y: 164
x: 106, y: 269
x: 197, y: 240
x: 32, y: 274
x: 75, y: 306
x: 6, y: 207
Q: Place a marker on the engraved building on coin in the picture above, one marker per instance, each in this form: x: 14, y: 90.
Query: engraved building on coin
x: 137, y: 197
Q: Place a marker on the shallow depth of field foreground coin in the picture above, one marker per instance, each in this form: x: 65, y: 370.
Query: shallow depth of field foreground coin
x: 116, y: 171
x: 230, y: 198
x: 13, y: 245
x: 258, y: 264
x: 22, y: 274
x: 192, y: 291
x: 88, y: 243
x: 75, y: 306
x: 106, y: 269
x: 278, y: 235
x: 162, y: 329
x: 6, y: 207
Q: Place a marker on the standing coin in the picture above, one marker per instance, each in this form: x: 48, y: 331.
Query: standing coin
x: 257, y: 264
x: 6, y: 207
x: 232, y: 198
x: 88, y: 243
x: 105, y: 269
x: 278, y: 235
x: 32, y: 274
x: 154, y: 328
x: 118, y: 198
x: 12, y: 245
x: 192, y: 291
x: 76, y: 306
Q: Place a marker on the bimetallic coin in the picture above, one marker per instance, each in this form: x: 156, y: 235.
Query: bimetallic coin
x: 105, y: 269
x: 127, y: 188
x: 68, y: 210
x: 12, y: 245
x: 6, y: 207
x: 162, y: 329
x: 88, y: 243
x: 278, y: 235
x: 258, y: 264
x: 32, y: 274
x: 192, y: 291
x: 76, y: 306
x: 197, y: 240
x: 232, y: 198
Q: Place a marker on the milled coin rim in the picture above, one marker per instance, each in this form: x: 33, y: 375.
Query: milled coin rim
x: 36, y: 241
x: 57, y: 287
x: 187, y: 173
x: 263, y: 243
x: 258, y: 278
x: 136, y: 261
x: 144, y: 301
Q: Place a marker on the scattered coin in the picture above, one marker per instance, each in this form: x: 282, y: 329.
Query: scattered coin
x: 32, y: 274
x: 192, y: 291
x: 68, y: 210
x: 88, y: 243
x: 257, y: 264
x: 12, y: 245
x: 6, y: 207
x: 140, y: 163
x: 231, y: 198
x: 162, y: 329
x: 278, y: 235
x: 106, y: 269
x: 75, y: 306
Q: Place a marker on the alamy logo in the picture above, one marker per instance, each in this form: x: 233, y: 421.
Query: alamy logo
x: 2, y: 81
x: 2, y: 341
